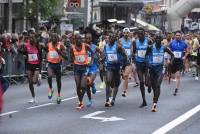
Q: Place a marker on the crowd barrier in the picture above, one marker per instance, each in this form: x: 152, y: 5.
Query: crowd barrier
x: 15, y: 71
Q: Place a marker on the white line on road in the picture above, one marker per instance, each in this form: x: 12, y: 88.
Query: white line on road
x: 177, y: 121
x: 11, y: 112
x: 43, y: 105
x: 103, y: 119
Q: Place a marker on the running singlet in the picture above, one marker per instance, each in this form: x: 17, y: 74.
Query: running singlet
x: 32, y: 54
x: 178, y: 47
x: 157, y: 57
x: 81, y: 57
x: 127, y: 45
x: 111, y: 53
x: 53, y: 56
x: 94, y: 67
x: 93, y: 48
x: 141, y: 49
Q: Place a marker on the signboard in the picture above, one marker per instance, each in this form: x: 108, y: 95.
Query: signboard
x: 74, y: 3
x: 13, y: 1
x: 65, y: 27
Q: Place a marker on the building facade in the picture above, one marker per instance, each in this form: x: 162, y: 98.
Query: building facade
x: 17, y: 16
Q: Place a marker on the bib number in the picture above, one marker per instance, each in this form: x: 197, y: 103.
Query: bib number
x: 89, y: 59
x: 32, y: 57
x: 157, y: 59
x: 80, y: 58
x: 141, y: 53
x: 53, y: 54
x: 177, y: 54
x: 112, y: 57
x: 128, y: 51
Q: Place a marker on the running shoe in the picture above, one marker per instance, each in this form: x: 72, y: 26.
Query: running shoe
x: 32, y: 101
x: 50, y: 93
x: 143, y: 104
x: 153, y: 109
x: 124, y: 94
x: 89, y: 103
x: 94, y: 90
x: 112, y: 103
x: 58, y: 100
x: 149, y: 89
x: 136, y: 84
x: 80, y: 106
x: 196, y: 78
x: 102, y: 85
x: 107, y: 104
x: 175, y: 92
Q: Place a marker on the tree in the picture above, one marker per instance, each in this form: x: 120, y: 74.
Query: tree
x: 44, y: 9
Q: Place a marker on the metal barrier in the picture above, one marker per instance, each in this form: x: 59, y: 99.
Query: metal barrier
x: 15, y: 70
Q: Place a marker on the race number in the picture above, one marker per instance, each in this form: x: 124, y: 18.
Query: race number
x: 32, y: 57
x: 112, y: 57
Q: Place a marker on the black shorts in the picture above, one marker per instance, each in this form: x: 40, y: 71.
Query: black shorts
x: 198, y: 60
x: 193, y: 58
x: 56, y: 67
x: 33, y: 67
x: 177, y: 65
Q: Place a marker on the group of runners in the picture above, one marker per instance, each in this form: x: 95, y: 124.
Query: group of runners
x: 117, y: 58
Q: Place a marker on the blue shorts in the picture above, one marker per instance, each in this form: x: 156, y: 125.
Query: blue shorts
x: 93, y: 69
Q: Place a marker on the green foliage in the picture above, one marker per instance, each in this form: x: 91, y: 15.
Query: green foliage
x: 46, y: 8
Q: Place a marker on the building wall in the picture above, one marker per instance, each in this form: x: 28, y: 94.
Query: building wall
x: 17, y: 16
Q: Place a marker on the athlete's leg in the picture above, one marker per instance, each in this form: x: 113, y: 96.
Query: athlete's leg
x: 141, y: 73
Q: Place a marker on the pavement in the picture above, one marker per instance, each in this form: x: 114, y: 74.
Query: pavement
x: 176, y: 114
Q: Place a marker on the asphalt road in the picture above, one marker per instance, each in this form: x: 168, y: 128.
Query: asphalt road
x: 46, y: 117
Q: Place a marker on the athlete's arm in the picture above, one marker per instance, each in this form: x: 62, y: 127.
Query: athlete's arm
x: 123, y: 52
x: 169, y: 52
x: 149, y: 51
x: 62, y: 51
x: 72, y: 55
x: 100, y: 54
x: 134, y: 50
x: 90, y: 50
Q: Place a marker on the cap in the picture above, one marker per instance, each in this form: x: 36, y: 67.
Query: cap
x: 126, y: 30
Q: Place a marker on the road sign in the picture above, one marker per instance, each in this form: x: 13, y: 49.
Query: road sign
x: 103, y: 119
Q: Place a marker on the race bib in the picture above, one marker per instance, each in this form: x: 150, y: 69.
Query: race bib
x: 177, y: 54
x: 112, y: 57
x: 80, y: 58
x: 53, y: 54
x: 141, y: 53
x: 166, y: 55
x: 32, y: 57
x: 89, y: 59
x: 128, y: 51
x: 157, y: 59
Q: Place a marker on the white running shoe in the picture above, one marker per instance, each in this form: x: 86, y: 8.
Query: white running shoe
x: 196, y: 78
x: 32, y: 100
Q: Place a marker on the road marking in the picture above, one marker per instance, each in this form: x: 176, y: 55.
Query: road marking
x: 11, y: 112
x: 131, y: 83
x: 43, y: 105
x: 177, y: 121
x: 103, y: 119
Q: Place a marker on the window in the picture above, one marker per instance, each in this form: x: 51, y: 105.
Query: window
x: 1, y: 10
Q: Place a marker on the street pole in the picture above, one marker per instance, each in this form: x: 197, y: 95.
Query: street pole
x: 10, y: 4
x: 24, y: 26
x: 92, y: 4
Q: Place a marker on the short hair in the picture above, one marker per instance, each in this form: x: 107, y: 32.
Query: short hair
x: 178, y: 32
